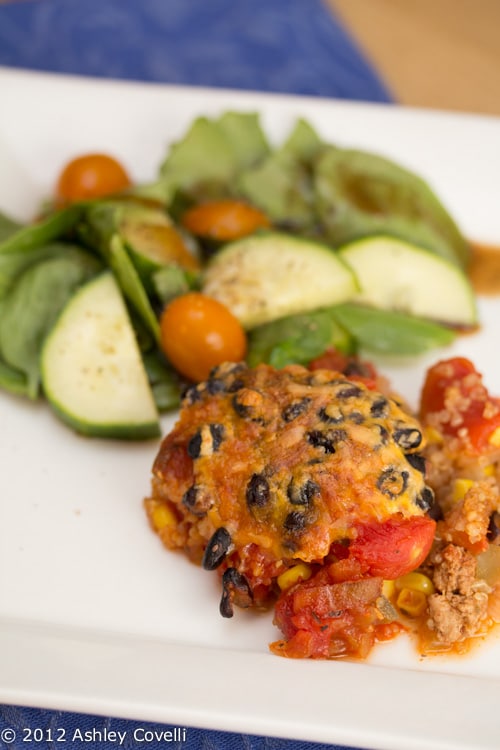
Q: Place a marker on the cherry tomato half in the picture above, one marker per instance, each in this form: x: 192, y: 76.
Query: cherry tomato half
x: 198, y: 333
x: 224, y: 219
x: 91, y: 176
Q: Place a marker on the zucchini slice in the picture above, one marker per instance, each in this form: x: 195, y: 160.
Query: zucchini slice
x: 396, y: 275
x: 270, y: 275
x: 92, y: 372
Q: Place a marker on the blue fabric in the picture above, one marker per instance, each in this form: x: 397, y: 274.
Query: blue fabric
x: 291, y: 46
x: 56, y: 730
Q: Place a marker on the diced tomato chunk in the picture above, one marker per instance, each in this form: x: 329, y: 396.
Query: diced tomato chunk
x: 455, y: 400
x: 348, y: 364
x: 329, y: 620
x: 393, y: 548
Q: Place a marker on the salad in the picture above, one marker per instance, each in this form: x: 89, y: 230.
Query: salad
x: 119, y: 295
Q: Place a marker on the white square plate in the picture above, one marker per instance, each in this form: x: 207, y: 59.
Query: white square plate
x: 94, y: 615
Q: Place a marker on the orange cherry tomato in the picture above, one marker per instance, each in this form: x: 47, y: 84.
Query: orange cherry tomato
x: 91, y: 176
x: 224, y: 220
x: 198, y: 333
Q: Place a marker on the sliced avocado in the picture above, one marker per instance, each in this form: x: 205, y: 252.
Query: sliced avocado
x: 360, y: 193
x: 270, y: 275
x: 92, y: 372
x: 396, y: 275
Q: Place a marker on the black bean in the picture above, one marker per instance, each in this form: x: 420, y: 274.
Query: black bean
x: 198, y: 446
x: 295, y: 409
x: 393, y: 482
x: 302, y: 493
x: 330, y: 414
x: 197, y: 502
x: 236, y: 385
x: 216, y: 549
x: 384, y: 434
x: 235, y: 590
x: 425, y: 500
x: 295, y: 522
x: 380, y: 407
x: 217, y: 433
x: 249, y: 404
x: 349, y: 391
x: 326, y: 440
x: 257, y: 493
x: 215, y: 386
x: 355, y: 367
x: 191, y: 395
x: 407, y: 438
x: 194, y: 445
x: 356, y: 417
x: 417, y: 461
x: 493, y: 527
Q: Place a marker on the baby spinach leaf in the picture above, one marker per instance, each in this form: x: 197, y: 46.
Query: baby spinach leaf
x: 387, y: 332
x: 297, y: 339
x: 131, y: 284
x: 52, y: 227
x: 8, y: 227
x: 32, y: 305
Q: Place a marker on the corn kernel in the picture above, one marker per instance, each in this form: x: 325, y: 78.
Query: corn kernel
x: 415, y: 581
x: 432, y: 435
x: 299, y: 572
x: 162, y: 516
x: 494, y: 438
x: 412, y: 603
x: 388, y: 589
x: 490, y: 470
x: 460, y: 488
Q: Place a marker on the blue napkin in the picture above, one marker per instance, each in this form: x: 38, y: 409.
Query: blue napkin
x: 288, y: 46
x: 293, y: 46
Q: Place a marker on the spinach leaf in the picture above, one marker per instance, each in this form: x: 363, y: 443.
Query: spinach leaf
x: 297, y: 339
x: 31, y: 306
x: 387, y: 332
x: 52, y: 227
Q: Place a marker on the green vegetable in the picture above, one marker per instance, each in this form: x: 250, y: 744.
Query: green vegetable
x: 52, y: 227
x: 12, y: 380
x: 281, y: 185
x: 360, y: 193
x: 171, y: 281
x: 163, y: 380
x: 131, y: 285
x: 397, y: 275
x: 30, y: 307
x: 92, y: 371
x: 213, y: 151
x: 8, y: 227
x: 270, y: 275
x: 297, y: 339
x: 386, y: 332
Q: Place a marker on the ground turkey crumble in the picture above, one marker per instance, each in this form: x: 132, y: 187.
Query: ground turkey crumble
x: 460, y: 605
